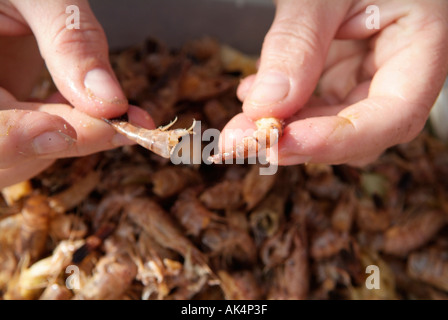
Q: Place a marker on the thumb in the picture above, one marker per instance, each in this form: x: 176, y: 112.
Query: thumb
x: 26, y: 135
x: 77, y: 59
x: 293, y: 56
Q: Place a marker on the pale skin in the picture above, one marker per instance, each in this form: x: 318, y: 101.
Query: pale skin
x: 376, y: 86
x: 64, y: 131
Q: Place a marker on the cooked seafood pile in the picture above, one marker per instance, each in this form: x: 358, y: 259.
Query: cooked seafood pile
x: 128, y: 224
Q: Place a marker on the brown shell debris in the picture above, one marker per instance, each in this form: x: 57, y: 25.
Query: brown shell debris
x: 128, y: 224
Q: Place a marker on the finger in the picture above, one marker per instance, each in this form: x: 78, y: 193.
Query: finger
x: 241, y: 126
x: 358, y: 133
x: 31, y: 134
x: 398, y: 101
x: 76, y: 58
x: 93, y: 135
x: 344, y: 49
x: 236, y: 129
x: 365, y: 161
x: 293, y: 56
x: 29, y: 142
x: 315, y: 112
x: 337, y: 82
x: 23, y: 171
x: 244, y: 87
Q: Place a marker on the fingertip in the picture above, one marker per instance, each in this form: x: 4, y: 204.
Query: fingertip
x: 237, y: 128
x: 267, y: 96
x: 104, y: 91
x: 140, y: 117
x: 45, y: 122
x: 77, y: 58
x: 244, y: 87
x: 51, y: 135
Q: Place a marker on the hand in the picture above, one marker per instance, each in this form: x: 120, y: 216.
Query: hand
x: 33, y: 135
x: 376, y: 86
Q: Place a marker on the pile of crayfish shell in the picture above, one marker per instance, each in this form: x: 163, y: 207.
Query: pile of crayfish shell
x: 128, y: 224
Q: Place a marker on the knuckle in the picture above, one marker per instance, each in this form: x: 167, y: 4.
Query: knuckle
x: 291, y: 38
x: 66, y: 41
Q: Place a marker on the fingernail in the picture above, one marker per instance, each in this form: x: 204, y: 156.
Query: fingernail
x: 101, y: 85
x: 271, y: 88
x: 52, y: 142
